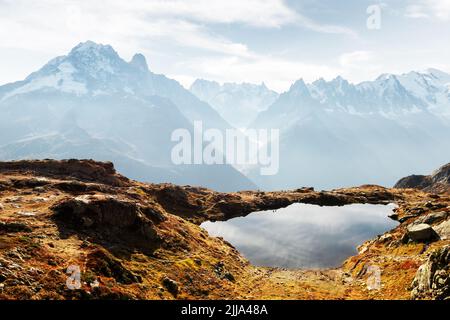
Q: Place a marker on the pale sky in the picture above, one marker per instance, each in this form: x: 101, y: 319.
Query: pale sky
x: 271, y: 41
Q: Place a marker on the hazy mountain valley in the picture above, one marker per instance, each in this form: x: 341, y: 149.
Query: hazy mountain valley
x: 93, y: 104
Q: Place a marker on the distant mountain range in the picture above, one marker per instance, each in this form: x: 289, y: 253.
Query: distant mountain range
x: 91, y: 103
x: 239, y: 104
x: 339, y: 134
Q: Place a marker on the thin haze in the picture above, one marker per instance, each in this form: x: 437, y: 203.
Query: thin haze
x: 271, y: 41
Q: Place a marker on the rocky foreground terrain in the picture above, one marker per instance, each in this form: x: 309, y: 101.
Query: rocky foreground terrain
x: 132, y: 240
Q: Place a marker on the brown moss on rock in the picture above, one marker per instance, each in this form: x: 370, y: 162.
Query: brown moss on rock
x: 103, y: 263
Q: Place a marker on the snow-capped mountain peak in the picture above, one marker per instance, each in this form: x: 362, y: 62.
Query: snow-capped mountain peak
x: 390, y: 95
x: 90, y: 47
x: 88, y: 67
x: 91, y: 103
x: 238, y: 103
x: 139, y: 62
x: 96, y: 60
x: 298, y: 85
x: 299, y: 89
x: 438, y: 74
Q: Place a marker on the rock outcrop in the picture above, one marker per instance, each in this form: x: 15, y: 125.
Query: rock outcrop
x: 84, y: 170
x: 437, y: 182
x: 433, y: 277
x: 111, y: 218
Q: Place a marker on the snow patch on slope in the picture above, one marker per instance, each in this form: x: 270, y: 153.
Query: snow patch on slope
x: 62, y: 81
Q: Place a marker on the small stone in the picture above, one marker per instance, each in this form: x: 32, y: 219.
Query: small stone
x: 393, y: 216
x: 27, y: 213
x: 40, y: 199
x: 171, y: 286
x: 229, y: 276
x: 385, y: 237
x: 198, y: 262
x: 39, y: 189
x: 416, y: 211
x: 52, y: 262
x: 429, y: 204
x: 407, y: 217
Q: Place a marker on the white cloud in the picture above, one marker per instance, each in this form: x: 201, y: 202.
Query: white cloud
x: 416, y: 11
x: 176, y: 28
x: 49, y: 23
x: 47, y: 26
x: 441, y: 8
x: 429, y: 8
x: 362, y: 65
x: 355, y: 58
x: 261, y: 13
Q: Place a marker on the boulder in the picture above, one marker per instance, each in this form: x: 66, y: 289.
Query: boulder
x: 432, y: 279
x: 111, y: 217
x: 443, y: 230
x: 413, y: 181
x: 431, y: 218
x: 421, y: 232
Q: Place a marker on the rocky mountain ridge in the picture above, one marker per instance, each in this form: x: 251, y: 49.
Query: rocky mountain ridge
x: 438, y: 181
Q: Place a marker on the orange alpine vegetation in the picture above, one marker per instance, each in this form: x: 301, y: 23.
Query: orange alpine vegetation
x: 77, y: 229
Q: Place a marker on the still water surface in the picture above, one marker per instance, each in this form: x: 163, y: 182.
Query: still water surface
x: 303, y: 235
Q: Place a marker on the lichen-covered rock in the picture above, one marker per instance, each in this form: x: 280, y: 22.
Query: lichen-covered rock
x: 432, y: 279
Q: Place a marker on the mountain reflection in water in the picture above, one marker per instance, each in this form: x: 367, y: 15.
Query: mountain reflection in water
x: 303, y: 235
